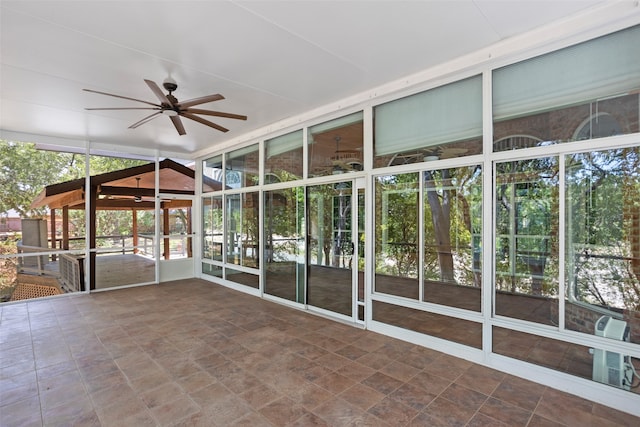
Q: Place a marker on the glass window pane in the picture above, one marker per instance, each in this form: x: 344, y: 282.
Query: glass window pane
x: 212, y: 174
x: 526, y: 239
x: 439, y: 123
x: 330, y: 247
x: 247, y: 279
x: 242, y: 167
x: 595, y: 95
x: 284, y: 231
x: 283, y: 158
x: 437, y: 325
x: 396, y: 244
x: 452, y: 232
x: 212, y: 228
x: 242, y: 229
x: 603, y: 243
x: 212, y: 270
x: 554, y: 354
x: 206, y: 228
x: 335, y: 147
x: 176, y: 224
x: 361, y: 246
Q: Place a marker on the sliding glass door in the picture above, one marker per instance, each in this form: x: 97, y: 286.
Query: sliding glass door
x: 331, y: 247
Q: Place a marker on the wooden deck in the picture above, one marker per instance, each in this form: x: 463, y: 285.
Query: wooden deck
x: 112, y: 270
x: 121, y: 270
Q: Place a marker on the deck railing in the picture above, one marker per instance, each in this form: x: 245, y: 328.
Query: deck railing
x: 34, y: 264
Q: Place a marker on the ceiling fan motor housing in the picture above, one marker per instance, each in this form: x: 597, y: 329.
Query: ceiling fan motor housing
x: 169, y: 84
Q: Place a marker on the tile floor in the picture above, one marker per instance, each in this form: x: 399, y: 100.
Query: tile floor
x: 193, y: 353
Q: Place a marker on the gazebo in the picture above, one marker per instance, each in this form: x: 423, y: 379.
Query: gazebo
x: 126, y: 189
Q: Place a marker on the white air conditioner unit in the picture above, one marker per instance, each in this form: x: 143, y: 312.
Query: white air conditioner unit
x: 609, y: 367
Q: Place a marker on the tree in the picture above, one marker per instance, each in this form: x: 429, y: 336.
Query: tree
x: 604, y: 227
x: 450, y: 196
x: 440, y: 205
x: 397, y: 224
x: 527, y: 208
x: 25, y: 170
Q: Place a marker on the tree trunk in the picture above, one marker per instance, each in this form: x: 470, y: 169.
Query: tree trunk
x: 441, y: 216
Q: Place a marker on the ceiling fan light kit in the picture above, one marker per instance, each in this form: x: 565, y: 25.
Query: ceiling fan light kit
x: 170, y: 106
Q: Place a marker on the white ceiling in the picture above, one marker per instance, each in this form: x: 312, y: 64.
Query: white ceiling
x: 270, y: 59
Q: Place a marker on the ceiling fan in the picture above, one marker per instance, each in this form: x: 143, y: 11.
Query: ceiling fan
x: 171, y: 107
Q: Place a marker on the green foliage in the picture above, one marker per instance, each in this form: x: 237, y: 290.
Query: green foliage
x: 26, y: 170
x: 397, y: 224
x: 103, y: 164
x: 603, y: 205
x: 284, y: 221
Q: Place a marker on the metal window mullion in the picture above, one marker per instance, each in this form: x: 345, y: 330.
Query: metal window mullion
x: 561, y: 242
x: 305, y: 153
x: 488, y: 217
x: 87, y: 216
x: 420, y: 236
x: 369, y: 206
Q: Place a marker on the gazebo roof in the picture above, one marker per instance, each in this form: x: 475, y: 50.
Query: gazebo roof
x: 130, y: 188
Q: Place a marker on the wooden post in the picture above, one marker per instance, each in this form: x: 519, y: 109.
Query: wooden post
x: 53, y: 233
x: 93, y: 199
x: 65, y: 228
x: 189, y: 231
x: 165, y: 231
x: 135, y: 230
x: 53, y: 229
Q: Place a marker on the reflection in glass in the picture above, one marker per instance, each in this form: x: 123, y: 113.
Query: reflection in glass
x: 242, y: 229
x: 330, y: 247
x: 283, y: 158
x: 437, y: 325
x: 361, y: 245
x: 554, y: 354
x: 452, y: 232
x: 335, y: 147
x: 212, y: 174
x: 284, y: 248
x: 212, y: 270
x: 396, y: 228
x: 603, y: 241
x: 595, y: 96
x: 247, y: 279
x: 212, y: 228
x: 526, y: 239
x: 242, y: 167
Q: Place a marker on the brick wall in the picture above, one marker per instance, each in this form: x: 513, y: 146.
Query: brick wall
x: 582, y: 319
x: 290, y: 162
x: 561, y: 125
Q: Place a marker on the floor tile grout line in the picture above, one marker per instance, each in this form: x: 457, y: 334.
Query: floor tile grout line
x: 35, y: 367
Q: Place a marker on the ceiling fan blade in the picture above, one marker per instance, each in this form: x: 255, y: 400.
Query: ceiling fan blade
x: 124, y: 108
x: 158, y: 92
x: 145, y: 120
x: 121, y: 97
x: 178, y: 124
x: 203, y: 121
x: 216, y: 113
x: 201, y: 100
